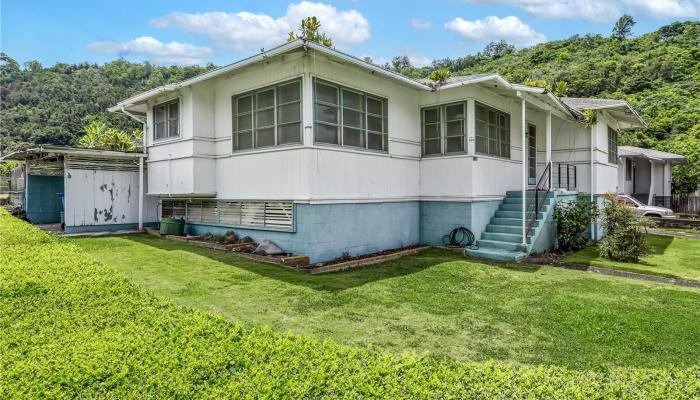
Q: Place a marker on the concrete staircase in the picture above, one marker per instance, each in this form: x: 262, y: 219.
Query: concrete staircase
x: 502, y: 238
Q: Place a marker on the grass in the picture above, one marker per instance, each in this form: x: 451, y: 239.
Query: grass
x: 71, y: 327
x: 673, y: 257
x: 433, y: 303
x: 682, y: 230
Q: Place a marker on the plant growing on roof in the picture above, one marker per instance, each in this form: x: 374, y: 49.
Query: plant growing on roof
x: 98, y: 135
x: 560, y: 89
x: 590, y: 118
x: 309, y: 29
x: 439, y: 77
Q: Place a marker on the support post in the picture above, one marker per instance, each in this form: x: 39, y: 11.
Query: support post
x: 140, y: 193
x: 548, y: 144
x: 652, y: 183
x: 523, y: 129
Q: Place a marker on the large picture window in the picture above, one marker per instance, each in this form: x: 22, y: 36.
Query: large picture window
x: 270, y: 116
x: 444, y: 129
x: 612, y: 146
x: 166, y: 120
x: 492, y: 131
x: 347, y: 117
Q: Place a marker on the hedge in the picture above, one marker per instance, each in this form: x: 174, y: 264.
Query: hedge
x: 71, y: 327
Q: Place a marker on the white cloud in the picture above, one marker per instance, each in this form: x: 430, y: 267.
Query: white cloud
x: 602, y: 10
x: 156, y: 51
x: 420, y: 24
x: 510, y: 29
x: 246, y: 31
x: 418, y: 60
x: 662, y: 9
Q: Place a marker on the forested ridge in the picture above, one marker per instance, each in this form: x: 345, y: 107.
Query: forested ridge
x: 658, y: 73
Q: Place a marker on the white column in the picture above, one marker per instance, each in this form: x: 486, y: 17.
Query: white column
x: 548, y: 144
x: 471, y: 127
x: 140, y: 193
x: 308, y: 107
x: 652, y: 182
x: 523, y: 127
x: 668, y: 182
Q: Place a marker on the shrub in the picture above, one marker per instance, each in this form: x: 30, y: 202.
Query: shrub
x: 73, y: 328
x: 572, y: 220
x: 625, y: 232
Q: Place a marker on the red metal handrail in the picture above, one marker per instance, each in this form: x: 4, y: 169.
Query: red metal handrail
x: 539, y: 195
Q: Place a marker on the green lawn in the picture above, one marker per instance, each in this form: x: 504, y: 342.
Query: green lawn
x: 435, y: 302
x: 674, y: 257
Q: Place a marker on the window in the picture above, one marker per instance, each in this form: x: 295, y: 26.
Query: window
x: 270, y: 116
x: 612, y: 146
x: 628, y: 169
x: 492, y: 131
x: 347, y: 117
x: 261, y: 214
x: 447, y: 137
x: 166, y: 119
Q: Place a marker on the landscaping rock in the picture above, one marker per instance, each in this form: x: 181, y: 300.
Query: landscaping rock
x: 231, y: 237
x: 245, y: 248
x: 246, y: 239
x: 267, y: 248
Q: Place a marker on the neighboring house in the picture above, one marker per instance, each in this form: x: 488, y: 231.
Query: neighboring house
x: 324, y: 153
x: 100, y: 189
x: 645, y: 173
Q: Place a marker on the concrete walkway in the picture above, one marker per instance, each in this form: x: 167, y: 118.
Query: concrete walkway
x: 666, y: 232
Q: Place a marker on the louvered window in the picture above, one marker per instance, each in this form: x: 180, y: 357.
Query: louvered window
x: 265, y: 214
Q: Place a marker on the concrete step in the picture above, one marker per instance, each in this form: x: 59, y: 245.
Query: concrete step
x: 516, y: 214
x: 495, y: 254
x: 503, y: 237
x: 530, y: 193
x: 495, y: 244
x: 511, y: 222
x: 519, y: 200
x: 515, y: 230
x: 518, y: 206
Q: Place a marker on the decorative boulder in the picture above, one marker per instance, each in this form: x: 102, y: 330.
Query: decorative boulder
x: 246, y: 239
x: 267, y: 248
x: 231, y: 237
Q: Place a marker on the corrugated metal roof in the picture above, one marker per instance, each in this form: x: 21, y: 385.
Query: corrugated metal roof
x: 650, y: 153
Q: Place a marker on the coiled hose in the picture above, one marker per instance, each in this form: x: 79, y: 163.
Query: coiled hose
x: 460, y: 237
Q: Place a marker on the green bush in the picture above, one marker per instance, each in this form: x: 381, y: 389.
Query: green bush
x: 572, y: 220
x: 625, y: 232
x: 73, y: 328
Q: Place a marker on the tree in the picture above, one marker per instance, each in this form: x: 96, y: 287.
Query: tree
x: 400, y: 62
x: 623, y: 27
x: 309, y: 29
x: 496, y: 50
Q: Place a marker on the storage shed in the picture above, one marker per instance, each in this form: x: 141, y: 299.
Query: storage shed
x: 96, y: 190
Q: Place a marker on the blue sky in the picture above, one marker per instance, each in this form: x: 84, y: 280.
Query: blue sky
x: 195, y: 32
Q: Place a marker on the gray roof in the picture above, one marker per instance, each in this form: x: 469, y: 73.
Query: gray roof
x: 459, y: 78
x: 619, y: 109
x: 632, y: 151
x: 580, y: 103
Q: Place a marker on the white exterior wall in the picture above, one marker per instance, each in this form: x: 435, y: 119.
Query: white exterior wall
x: 201, y: 162
x: 104, y: 198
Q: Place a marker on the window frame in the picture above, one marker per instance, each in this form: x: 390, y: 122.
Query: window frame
x: 500, y: 146
x: 340, y: 117
x: 612, y: 145
x: 628, y: 169
x: 276, y: 125
x: 166, y: 105
x: 442, y: 128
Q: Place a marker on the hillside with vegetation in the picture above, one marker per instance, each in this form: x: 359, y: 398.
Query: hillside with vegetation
x: 658, y: 73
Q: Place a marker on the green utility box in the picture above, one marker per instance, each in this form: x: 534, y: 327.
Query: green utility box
x: 172, y: 226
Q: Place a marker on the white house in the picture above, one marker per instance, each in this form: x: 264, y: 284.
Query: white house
x: 325, y: 153
x: 645, y: 173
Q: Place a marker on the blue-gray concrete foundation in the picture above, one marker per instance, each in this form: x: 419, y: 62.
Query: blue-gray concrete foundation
x: 327, y: 231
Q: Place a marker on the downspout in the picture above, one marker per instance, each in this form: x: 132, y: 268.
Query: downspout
x: 592, y: 180
x: 523, y: 127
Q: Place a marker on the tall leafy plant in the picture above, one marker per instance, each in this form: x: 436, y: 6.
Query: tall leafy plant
x: 572, y: 220
x: 98, y: 135
x: 625, y: 232
x: 310, y: 30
